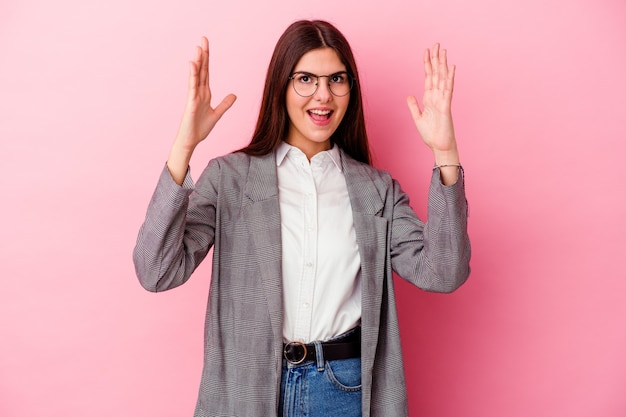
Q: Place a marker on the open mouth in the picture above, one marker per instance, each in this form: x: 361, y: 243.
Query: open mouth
x: 320, y: 115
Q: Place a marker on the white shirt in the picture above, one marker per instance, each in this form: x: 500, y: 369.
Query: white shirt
x: 321, y: 263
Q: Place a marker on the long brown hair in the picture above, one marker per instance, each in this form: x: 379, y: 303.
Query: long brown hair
x: 273, y: 123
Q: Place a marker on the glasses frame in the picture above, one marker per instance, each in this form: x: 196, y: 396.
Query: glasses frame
x: 351, y: 78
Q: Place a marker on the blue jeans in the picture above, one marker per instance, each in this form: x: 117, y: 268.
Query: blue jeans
x: 321, y: 388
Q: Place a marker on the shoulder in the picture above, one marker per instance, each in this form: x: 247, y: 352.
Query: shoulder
x: 371, y: 189
x: 232, y: 171
x: 238, y: 163
x: 361, y: 170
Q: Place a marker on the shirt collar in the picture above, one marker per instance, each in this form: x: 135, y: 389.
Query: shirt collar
x: 281, y: 152
x: 284, y: 148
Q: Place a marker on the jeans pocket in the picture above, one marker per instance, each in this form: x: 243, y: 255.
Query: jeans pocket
x: 344, y: 374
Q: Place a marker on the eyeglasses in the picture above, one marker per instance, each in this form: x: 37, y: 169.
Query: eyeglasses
x: 305, y: 84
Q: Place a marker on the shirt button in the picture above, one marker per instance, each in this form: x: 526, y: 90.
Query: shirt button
x: 309, y: 264
x: 305, y: 305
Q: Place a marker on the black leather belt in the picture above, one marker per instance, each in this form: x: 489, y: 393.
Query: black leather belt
x: 341, y: 348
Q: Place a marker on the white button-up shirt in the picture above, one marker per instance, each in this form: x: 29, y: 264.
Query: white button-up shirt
x: 321, y: 262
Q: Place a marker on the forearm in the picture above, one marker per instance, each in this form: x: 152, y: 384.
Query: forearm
x: 446, y: 242
x: 166, y: 252
x: 434, y: 255
x: 178, y: 160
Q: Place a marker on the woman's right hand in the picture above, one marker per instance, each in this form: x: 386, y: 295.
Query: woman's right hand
x: 199, y: 117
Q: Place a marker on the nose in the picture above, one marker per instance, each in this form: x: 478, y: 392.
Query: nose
x: 323, y: 94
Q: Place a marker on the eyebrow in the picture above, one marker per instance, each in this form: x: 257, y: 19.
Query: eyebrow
x: 312, y: 73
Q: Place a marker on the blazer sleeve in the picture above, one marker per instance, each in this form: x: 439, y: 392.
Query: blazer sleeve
x: 434, y: 255
x: 178, y: 231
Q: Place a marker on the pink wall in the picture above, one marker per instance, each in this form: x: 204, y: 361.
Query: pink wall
x: 90, y: 98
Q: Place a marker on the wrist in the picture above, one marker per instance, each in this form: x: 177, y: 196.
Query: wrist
x: 183, y: 147
x: 448, y: 163
x: 449, y: 157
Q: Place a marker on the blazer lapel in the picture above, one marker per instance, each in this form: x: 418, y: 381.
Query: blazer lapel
x: 261, y: 212
x: 371, y: 235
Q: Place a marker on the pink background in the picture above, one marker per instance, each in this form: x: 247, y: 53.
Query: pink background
x: 90, y: 98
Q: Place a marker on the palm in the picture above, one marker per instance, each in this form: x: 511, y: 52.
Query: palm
x: 434, y: 122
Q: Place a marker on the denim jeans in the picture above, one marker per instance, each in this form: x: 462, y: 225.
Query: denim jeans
x: 321, y: 388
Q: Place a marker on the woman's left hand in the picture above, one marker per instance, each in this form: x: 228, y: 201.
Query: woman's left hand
x: 434, y: 122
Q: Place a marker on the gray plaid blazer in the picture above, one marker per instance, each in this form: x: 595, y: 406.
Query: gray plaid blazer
x: 234, y: 208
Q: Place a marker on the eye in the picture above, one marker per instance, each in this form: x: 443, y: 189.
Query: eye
x: 338, y: 78
x: 304, y: 78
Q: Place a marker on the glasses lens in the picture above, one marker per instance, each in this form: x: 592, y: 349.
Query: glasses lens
x: 304, y: 84
x: 340, y: 83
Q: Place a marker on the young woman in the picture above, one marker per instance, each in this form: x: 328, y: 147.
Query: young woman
x: 301, y: 315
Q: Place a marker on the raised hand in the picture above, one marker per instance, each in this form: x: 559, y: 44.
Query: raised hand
x: 434, y: 121
x: 199, y: 117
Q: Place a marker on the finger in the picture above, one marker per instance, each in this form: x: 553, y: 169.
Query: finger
x: 226, y: 103
x: 414, y: 108
x: 204, y: 68
x: 450, y: 80
x: 192, y: 77
x: 194, y: 66
x: 443, y: 68
x: 428, y: 69
x: 434, y: 58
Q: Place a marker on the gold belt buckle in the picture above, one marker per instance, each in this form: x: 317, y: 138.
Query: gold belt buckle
x: 295, y: 352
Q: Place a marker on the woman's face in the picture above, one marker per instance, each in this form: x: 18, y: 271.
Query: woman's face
x: 313, y: 120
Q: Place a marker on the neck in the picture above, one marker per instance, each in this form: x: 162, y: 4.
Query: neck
x: 310, y: 149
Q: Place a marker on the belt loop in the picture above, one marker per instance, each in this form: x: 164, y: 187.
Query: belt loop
x: 319, y: 354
